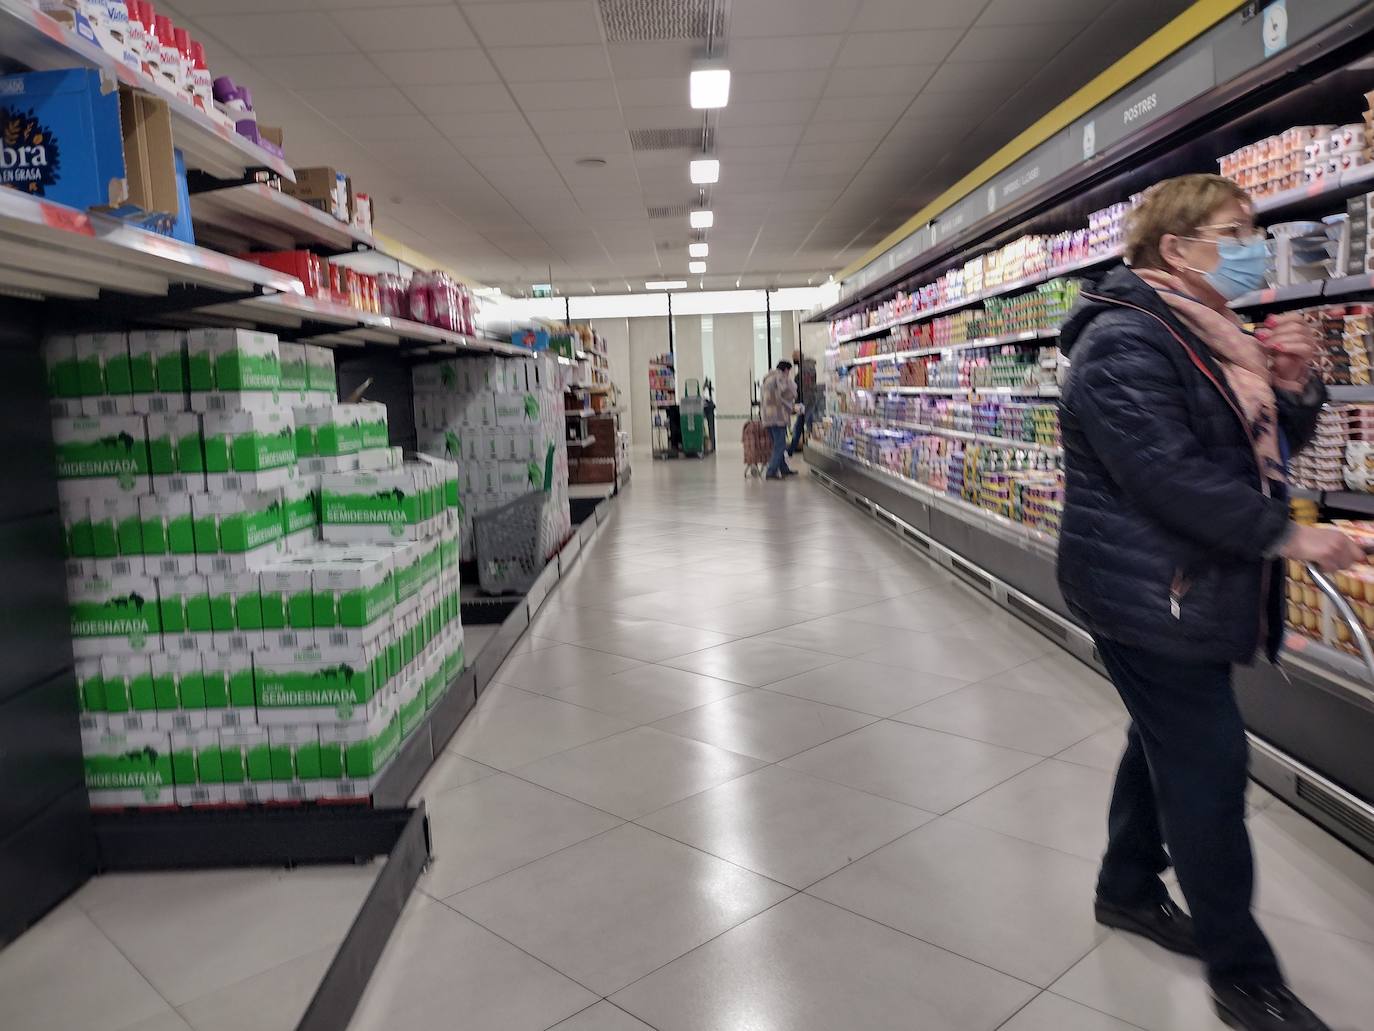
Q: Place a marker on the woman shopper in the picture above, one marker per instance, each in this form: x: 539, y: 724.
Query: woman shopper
x: 778, y: 397
x: 1176, y: 423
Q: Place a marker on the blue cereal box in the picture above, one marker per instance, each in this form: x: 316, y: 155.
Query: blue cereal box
x: 60, y: 137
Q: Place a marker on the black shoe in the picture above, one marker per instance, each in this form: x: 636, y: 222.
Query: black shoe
x: 1162, y: 922
x: 1257, y: 1007
x: 790, y: 472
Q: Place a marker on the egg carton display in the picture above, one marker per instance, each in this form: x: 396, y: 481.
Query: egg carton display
x: 237, y: 638
x: 500, y: 421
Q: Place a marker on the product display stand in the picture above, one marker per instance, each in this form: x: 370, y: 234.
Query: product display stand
x: 662, y: 406
x: 940, y: 418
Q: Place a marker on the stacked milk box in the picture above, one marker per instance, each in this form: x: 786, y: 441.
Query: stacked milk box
x: 501, y: 420
x: 229, y: 648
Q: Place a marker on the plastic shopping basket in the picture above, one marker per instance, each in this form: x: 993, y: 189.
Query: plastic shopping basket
x: 506, y: 540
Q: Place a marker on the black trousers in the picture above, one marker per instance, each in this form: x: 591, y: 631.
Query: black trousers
x: 1181, y: 784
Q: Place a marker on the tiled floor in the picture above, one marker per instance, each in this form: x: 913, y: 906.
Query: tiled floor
x: 754, y: 766
x: 757, y: 766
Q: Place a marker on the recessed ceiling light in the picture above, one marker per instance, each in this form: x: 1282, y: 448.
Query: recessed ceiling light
x: 666, y: 284
x: 590, y: 162
x: 709, y: 87
x: 698, y: 250
x: 704, y: 218
x: 696, y: 268
x: 705, y: 171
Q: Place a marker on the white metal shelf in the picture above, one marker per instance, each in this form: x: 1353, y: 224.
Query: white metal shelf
x: 1352, y: 180
x: 34, y: 40
x: 978, y: 298
x: 257, y: 216
x: 941, y: 431
x: 993, y: 341
x: 51, y: 250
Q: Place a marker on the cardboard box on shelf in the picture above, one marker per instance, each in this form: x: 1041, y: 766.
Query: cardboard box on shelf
x: 230, y: 698
x: 237, y: 531
x: 317, y: 685
x: 167, y: 528
x: 249, y: 450
x: 115, y: 616
x: 246, y: 764
x: 176, y: 452
x: 233, y: 369
x: 197, y: 766
x: 128, y: 769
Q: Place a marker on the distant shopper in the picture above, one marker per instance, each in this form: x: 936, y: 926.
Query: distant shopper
x: 1176, y: 423
x: 778, y: 399
x: 805, y: 380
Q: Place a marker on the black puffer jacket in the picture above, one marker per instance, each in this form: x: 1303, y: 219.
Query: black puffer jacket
x: 1166, y: 528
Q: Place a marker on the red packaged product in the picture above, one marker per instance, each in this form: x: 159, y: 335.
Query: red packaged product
x: 336, y: 284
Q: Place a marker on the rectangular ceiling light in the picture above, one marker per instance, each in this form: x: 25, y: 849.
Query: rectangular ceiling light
x: 698, y: 250
x: 709, y: 87
x: 666, y: 284
x: 702, y: 219
x: 696, y: 268
x: 705, y: 171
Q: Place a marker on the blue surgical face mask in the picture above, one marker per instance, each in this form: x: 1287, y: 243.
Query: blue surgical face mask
x: 1241, y: 268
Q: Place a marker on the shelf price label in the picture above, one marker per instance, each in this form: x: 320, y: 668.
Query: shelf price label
x: 59, y: 216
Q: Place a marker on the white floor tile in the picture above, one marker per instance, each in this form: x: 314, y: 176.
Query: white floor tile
x: 274, y: 1000
x: 867, y: 686
x: 807, y: 966
x: 450, y: 770
x: 648, y: 693
x: 1060, y: 675
x: 767, y: 725
x: 1056, y: 804
x: 1016, y: 907
x: 741, y: 618
x: 549, y: 669
x: 602, y: 1017
x: 251, y: 921
x: 653, y: 640
x: 167, y: 1020
x: 64, y: 975
x: 1013, y: 719
x: 786, y: 825
x: 1050, y: 1012
x: 511, y: 729
x: 1101, y: 751
x: 635, y: 773
x: 923, y: 768
x: 441, y: 970
x: 618, y: 906
x: 947, y: 654
x: 751, y: 662
x: 490, y: 827
x: 836, y: 635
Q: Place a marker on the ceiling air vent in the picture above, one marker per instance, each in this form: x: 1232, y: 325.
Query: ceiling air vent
x: 648, y: 21
x: 670, y: 211
x: 670, y: 139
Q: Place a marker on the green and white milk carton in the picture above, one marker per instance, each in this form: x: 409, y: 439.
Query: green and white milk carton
x: 179, y: 691
x: 90, y: 693
x: 167, y: 528
x: 246, y: 765
x: 327, y: 430
x: 297, y: 766
x: 295, y: 373
x: 230, y: 699
x: 321, y: 378
x: 114, y: 616
x: 249, y: 450
x: 130, y: 769
x: 176, y: 452
x: 318, y: 685
x: 301, y: 513
x: 120, y: 677
x: 360, y: 752
x: 157, y: 371
x: 103, y: 366
x: 233, y: 369
x: 197, y: 767
x: 102, y: 456
x: 353, y: 589
x: 184, y: 609
x: 64, y: 375
x: 237, y: 531
x: 371, y: 506
x: 288, y: 614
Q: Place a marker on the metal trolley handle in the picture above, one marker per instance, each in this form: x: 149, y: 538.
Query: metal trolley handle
x: 1346, y: 613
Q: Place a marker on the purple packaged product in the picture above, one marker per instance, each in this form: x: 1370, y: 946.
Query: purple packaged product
x: 224, y: 89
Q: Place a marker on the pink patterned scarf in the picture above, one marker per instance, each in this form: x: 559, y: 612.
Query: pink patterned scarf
x: 1242, y: 361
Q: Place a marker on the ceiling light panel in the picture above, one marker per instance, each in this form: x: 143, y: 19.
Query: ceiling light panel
x: 696, y: 268
x: 698, y: 250
x: 665, y: 284
x: 708, y: 88
x: 702, y: 219
x: 704, y: 171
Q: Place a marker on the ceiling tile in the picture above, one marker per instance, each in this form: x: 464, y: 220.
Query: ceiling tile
x: 536, y: 22
x: 756, y: 155
x: 320, y: 71
x: 279, y: 34
x: 792, y: 85
x: 461, y: 126
x: 386, y: 128
x: 559, y: 96
x: 903, y: 80
x: 650, y: 60
x: 551, y: 64
x: 774, y: 112
x: 678, y: 117
x: 874, y: 109
x: 889, y: 15
x: 435, y: 67
x: 590, y: 119
x: 586, y: 144
x: 477, y: 97
x: 852, y: 132
x: 997, y: 77
x: 439, y: 27
x: 660, y: 91
x: 928, y: 46
x: 361, y: 100
x: 514, y: 145
x: 763, y: 135
x: 1013, y: 43
x: 784, y: 52
x: 1039, y: 12
x: 757, y: 18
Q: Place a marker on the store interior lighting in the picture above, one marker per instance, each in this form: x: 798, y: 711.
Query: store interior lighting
x: 709, y: 86
x: 704, y: 218
x: 666, y: 284
x: 696, y: 268
x: 698, y: 250
x: 705, y: 171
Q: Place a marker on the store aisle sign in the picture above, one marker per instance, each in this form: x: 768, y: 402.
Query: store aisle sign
x: 1136, y: 107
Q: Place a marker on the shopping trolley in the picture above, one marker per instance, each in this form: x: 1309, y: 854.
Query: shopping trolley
x: 1347, y: 614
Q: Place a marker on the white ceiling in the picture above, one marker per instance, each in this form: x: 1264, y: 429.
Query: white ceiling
x: 465, y: 119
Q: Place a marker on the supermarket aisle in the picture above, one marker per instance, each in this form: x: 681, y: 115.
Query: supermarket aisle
x: 758, y: 766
